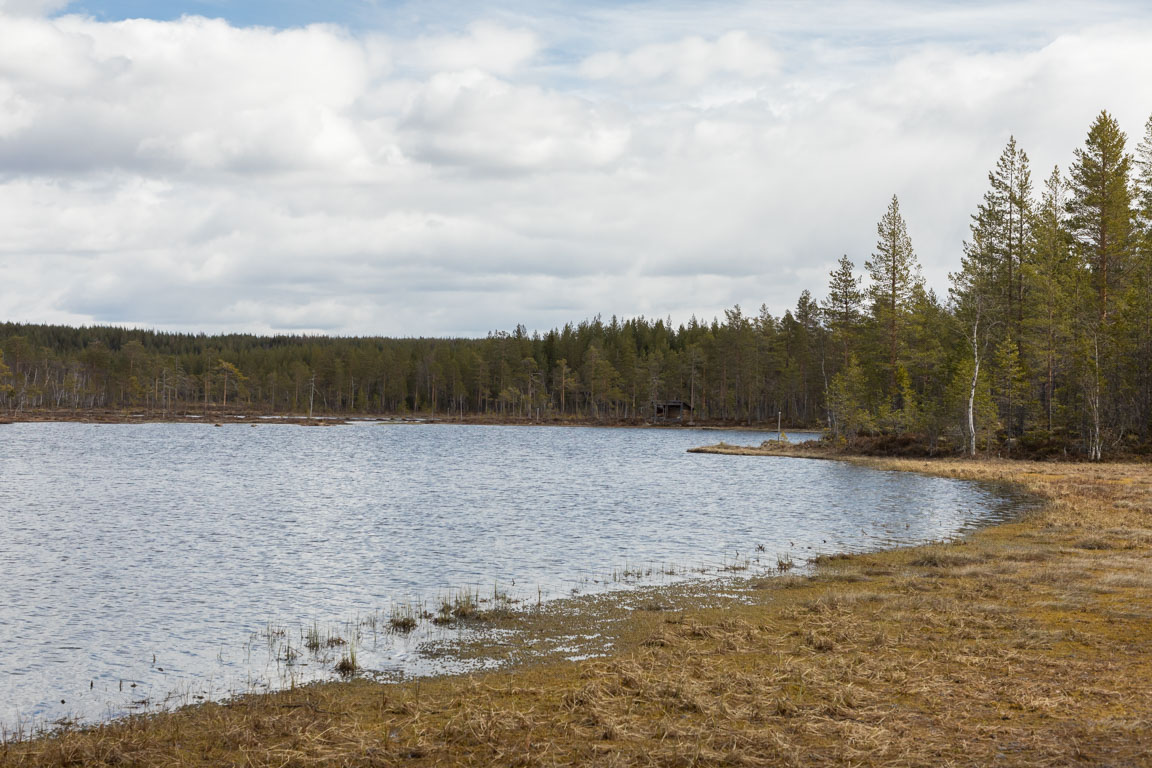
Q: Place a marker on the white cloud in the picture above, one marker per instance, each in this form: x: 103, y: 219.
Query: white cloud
x: 687, y: 62
x: 474, y: 120
x: 196, y: 175
x: 486, y: 47
x: 31, y: 7
x: 192, y: 94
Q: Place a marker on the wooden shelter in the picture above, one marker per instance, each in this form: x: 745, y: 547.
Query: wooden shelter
x: 670, y: 410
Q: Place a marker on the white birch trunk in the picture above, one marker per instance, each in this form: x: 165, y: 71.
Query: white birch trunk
x: 972, y: 390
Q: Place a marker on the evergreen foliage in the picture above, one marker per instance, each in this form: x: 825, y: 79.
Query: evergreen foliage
x: 842, y: 308
x: 894, y: 272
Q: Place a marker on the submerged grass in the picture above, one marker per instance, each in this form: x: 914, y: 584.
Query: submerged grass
x: 347, y: 665
x: 405, y: 619
x: 1027, y: 644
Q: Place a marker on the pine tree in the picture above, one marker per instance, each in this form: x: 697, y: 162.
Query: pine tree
x: 1051, y: 276
x: 1101, y: 219
x: 1001, y: 225
x: 1011, y: 382
x: 894, y: 271
x: 1004, y: 219
x: 1132, y: 334
x: 1144, y: 184
x: 932, y: 341
x: 231, y: 374
x: 1135, y: 322
x: 984, y: 290
x: 5, y: 376
x: 842, y: 307
x: 806, y: 346
x: 1100, y: 208
x: 847, y: 395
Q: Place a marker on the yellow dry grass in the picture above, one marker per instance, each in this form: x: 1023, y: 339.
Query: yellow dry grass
x: 1028, y: 644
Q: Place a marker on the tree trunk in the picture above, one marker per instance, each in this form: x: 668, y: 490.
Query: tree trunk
x: 972, y: 390
x: 1095, y: 449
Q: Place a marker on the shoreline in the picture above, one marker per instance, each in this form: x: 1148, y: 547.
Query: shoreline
x: 1034, y: 633
x: 234, y: 417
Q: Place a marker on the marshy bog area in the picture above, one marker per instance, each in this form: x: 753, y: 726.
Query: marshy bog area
x: 1023, y: 643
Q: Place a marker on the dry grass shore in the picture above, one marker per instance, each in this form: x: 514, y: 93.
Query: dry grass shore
x: 1028, y: 644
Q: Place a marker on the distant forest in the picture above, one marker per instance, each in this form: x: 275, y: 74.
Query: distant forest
x: 1044, y: 339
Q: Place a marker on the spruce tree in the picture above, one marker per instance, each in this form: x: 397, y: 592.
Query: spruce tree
x: 847, y: 394
x: 842, y: 307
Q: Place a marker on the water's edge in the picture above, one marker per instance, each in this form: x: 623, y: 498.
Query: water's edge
x: 429, y: 649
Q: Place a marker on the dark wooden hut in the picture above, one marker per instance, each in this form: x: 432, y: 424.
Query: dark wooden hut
x: 670, y: 410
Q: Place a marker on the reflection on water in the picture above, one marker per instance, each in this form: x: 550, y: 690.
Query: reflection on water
x: 141, y: 561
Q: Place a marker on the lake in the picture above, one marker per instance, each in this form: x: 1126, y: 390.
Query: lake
x: 156, y: 564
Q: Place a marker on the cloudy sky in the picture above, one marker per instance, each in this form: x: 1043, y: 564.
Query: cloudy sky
x: 446, y: 168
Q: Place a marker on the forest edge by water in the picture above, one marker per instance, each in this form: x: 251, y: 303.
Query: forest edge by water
x: 1043, y: 342
x: 237, y: 416
x: 1025, y: 643
x: 1031, y: 447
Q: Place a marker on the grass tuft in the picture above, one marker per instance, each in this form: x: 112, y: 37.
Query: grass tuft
x: 347, y: 665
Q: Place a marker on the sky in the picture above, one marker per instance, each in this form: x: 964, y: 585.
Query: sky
x: 376, y: 167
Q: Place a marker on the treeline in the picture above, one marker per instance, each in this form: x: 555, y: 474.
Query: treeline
x: 744, y: 369
x: 1044, y: 339
x: 1046, y: 336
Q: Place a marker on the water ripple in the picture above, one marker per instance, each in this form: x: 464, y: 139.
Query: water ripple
x: 142, y: 561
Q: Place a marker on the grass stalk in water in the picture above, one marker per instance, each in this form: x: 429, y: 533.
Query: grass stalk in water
x: 347, y: 665
x: 404, y: 619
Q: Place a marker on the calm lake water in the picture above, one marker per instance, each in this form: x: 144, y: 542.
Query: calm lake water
x: 154, y: 564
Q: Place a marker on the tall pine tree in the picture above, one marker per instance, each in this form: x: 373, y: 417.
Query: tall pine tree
x: 1100, y: 208
x: 1101, y: 220
x: 1144, y: 183
x: 1135, y: 322
x: 1051, y: 276
x: 1001, y: 225
x: 894, y: 271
